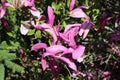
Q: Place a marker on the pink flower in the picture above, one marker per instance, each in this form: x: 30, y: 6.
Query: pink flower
x: 70, y: 32
x: 16, y: 4
x: 79, y: 13
x: 61, y: 53
x: 48, y: 27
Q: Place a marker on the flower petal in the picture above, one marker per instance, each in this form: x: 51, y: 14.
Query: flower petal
x: 44, y: 64
x: 85, y: 27
x: 38, y: 46
x: 56, y: 49
x: 69, y: 26
x: 78, y: 13
x: 78, y: 53
x: 35, y: 12
x: 72, y: 3
x: 51, y: 15
x: 2, y: 11
x: 24, y: 29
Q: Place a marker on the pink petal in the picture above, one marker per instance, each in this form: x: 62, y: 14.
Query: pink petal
x: 69, y: 26
x: 85, y: 27
x: 29, y: 3
x: 57, y: 29
x: 35, y: 12
x: 72, y: 34
x: 44, y: 64
x: 51, y: 15
x: 78, y: 53
x: 49, y: 29
x: 56, y: 49
x: 8, y: 5
x: 24, y: 29
x: 72, y: 3
x: 2, y: 11
x: 38, y: 46
x: 78, y: 13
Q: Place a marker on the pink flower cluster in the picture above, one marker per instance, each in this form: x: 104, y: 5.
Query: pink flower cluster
x: 16, y: 4
x: 56, y: 52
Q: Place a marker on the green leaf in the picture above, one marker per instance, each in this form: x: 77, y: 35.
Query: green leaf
x: 68, y: 3
x: 9, y: 1
x: 31, y: 32
x: 24, y: 23
x: 15, y: 67
x: 2, y: 72
x: 11, y: 9
x: 50, y: 42
x: 38, y: 34
x: 3, y: 45
x: 54, y: 5
x: 3, y: 52
x: 10, y: 34
x: 6, y: 56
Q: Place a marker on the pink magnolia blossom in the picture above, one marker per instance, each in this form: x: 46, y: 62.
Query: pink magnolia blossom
x: 79, y: 13
x: 61, y: 53
x: 16, y: 4
x: 70, y: 32
x: 48, y: 27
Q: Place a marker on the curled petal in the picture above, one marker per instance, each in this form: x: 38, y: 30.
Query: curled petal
x: 38, y: 46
